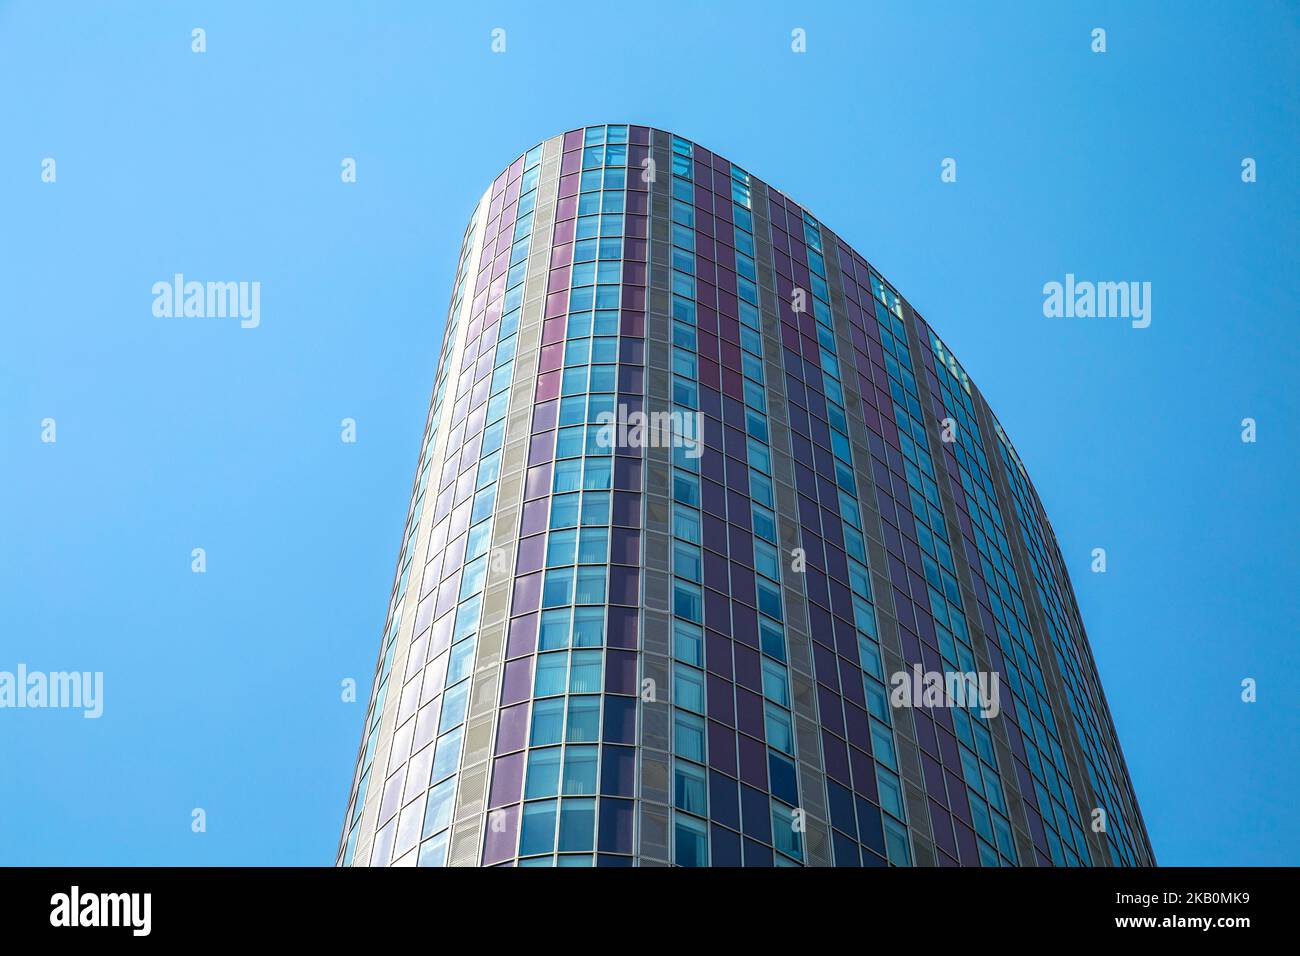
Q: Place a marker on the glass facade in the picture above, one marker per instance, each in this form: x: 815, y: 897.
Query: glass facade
x: 687, y: 645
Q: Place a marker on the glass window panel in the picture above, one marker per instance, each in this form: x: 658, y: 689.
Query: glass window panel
x: 584, y: 719
x: 551, y: 672
x: 558, y: 588
x: 690, y: 846
x: 434, y: 852
x: 561, y: 547
x: 595, y: 507
x: 598, y: 474
x: 548, y: 721
x: 543, y: 773
x: 686, y: 561
x: 568, y: 475
x: 577, y: 827
x: 564, y: 510
x: 570, y: 441
x: 591, y: 585
x: 690, y: 788
x: 780, y: 733
x: 772, y: 638
x: 687, y: 601
x: 688, y: 688
x: 585, y: 677
x: 437, y: 810
x: 775, y: 687
x: 785, y: 835
x: 553, y: 633
x: 686, y: 524
x: 580, y: 770
x: 454, y: 703
x: 447, y: 757
x: 594, y: 548
x: 589, y: 627
x: 538, y: 830
x: 688, y: 737
x: 688, y: 643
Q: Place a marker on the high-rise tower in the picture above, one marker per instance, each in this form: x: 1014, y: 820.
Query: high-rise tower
x: 737, y: 642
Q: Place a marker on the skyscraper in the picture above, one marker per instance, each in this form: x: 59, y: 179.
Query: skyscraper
x: 812, y: 613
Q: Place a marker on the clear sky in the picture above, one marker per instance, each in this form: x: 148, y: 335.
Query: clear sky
x: 222, y: 690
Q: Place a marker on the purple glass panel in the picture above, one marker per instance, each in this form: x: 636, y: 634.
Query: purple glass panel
x: 523, y: 636
x: 499, y: 842
x: 616, y: 824
x: 512, y: 728
x: 620, y: 672
x: 517, y: 684
x: 507, y: 780
x: 528, y: 593
x: 620, y: 720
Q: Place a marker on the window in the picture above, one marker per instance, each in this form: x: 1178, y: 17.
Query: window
x: 579, y: 770
x: 598, y: 474
x: 558, y: 588
x: 891, y: 792
x: 591, y: 585
x: 882, y: 745
x: 454, y: 703
x: 782, y: 776
x: 461, y: 661
x: 688, y: 737
x: 595, y: 508
x: 784, y: 835
x: 772, y: 639
x: 688, y: 643
x: 543, y: 773
x: 577, y: 826
x: 766, y: 561
x: 690, y: 788
x: 896, y: 843
x: 585, y: 675
x: 437, y: 810
x: 774, y: 684
x: 584, y: 720
x: 447, y: 757
x: 553, y: 631
x: 568, y: 475
x: 589, y: 627
x: 764, y: 524
x: 551, y: 671
x: 564, y: 511
x: 434, y: 852
x: 769, y: 598
x: 466, y: 619
x: 779, y: 731
x: 688, y: 688
x: 688, y: 602
x: 548, y: 719
x: 569, y: 441
x: 686, y: 488
x: 686, y: 561
x: 690, y: 843
x: 538, y: 830
x: 560, y: 548
x: 686, y: 525
x: 594, y: 548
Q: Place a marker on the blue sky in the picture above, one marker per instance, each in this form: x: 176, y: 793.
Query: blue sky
x: 222, y: 689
